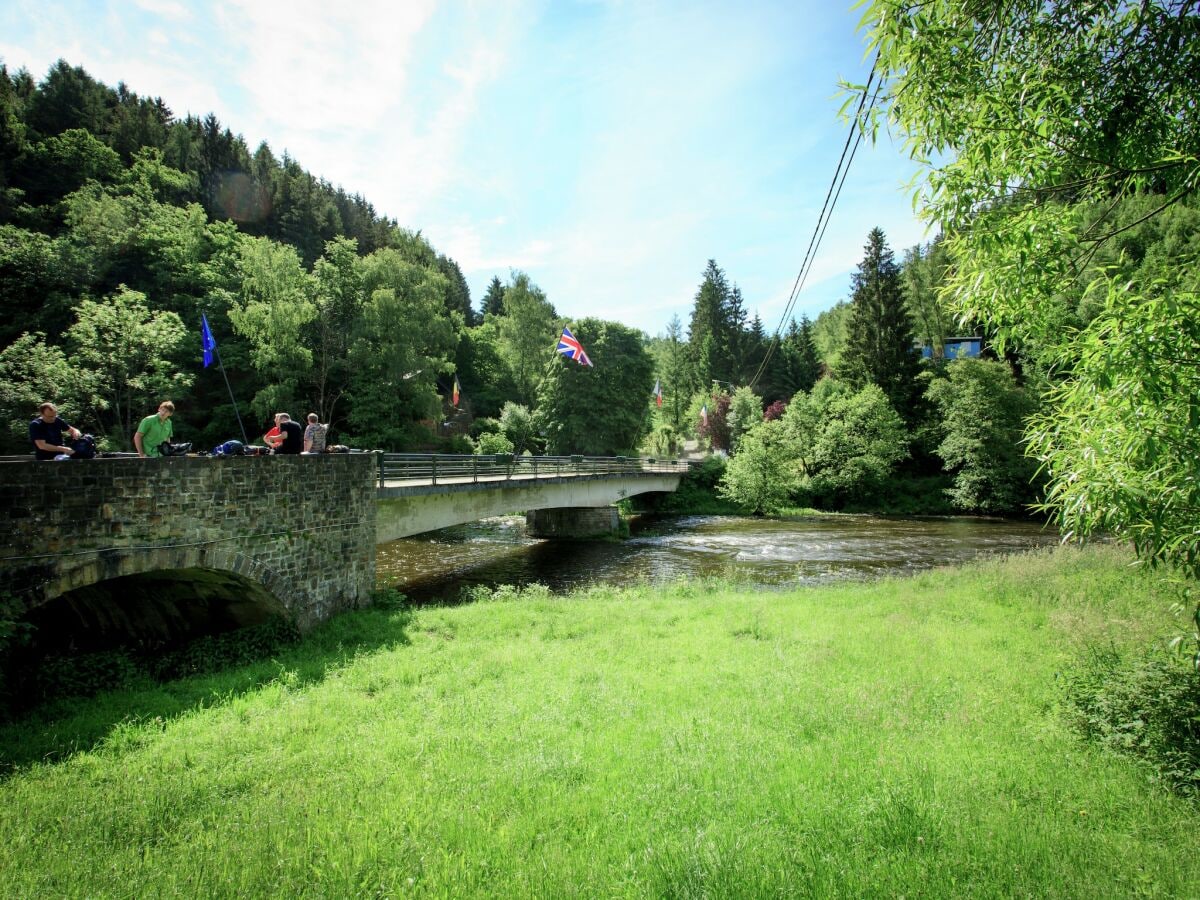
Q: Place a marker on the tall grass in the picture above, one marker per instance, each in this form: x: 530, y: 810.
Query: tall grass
x: 887, y: 739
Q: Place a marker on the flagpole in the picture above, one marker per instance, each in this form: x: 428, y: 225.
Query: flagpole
x: 228, y: 387
x: 209, y: 342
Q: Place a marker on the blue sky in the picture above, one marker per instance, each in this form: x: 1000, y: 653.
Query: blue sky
x: 607, y: 148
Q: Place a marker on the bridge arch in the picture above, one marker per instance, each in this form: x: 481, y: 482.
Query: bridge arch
x: 292, y: 534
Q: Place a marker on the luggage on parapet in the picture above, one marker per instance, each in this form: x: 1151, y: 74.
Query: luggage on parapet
x: 229, y: 448
x: 84, y: 447
x: 168, y: 449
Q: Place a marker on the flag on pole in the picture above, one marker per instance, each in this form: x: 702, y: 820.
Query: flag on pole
x: 207, y: 341
x: 569, y: 346
x: 658, y: 392
x: 454, y: 396
x: 704, y: 415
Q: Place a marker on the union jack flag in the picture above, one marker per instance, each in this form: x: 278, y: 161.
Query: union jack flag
x: 569, y: 346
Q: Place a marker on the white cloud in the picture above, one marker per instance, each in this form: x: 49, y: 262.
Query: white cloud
x: 168, y: 9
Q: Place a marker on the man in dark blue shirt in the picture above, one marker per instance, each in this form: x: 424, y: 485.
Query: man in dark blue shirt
x: 46, y: 433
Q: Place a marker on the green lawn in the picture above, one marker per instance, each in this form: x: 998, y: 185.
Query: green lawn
x: 897, y: 738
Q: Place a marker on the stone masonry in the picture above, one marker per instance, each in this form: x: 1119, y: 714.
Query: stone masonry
x: 298, y: 531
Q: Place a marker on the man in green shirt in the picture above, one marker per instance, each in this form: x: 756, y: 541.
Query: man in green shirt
x: 155, y: 429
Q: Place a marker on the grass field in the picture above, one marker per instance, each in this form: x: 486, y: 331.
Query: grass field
x: 898, y: 738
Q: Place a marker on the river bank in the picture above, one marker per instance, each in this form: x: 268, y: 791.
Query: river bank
x: 903, y: 736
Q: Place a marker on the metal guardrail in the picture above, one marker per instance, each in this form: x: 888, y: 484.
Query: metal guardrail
x: 443, y: 468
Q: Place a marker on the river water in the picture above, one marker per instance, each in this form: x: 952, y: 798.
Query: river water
x: 770, y: 552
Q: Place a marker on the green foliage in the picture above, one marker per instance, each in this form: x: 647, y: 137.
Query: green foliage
x: 1118, y: 438
x: 1034, y: 122
x: 699, y: 491
x: 38, y: 680
x: 493, y: 442
x: 829, y: 334
x: 879, y: 340
x: 402, y: 343
x: 526, y: 336
x: 922, y: 277
x: 745, y: 412
x: 983, y: 413
x: 1145, y: 703
x: 671, y: 369
x: 662, y: 441
x: 260, y: 777
x: 857, y: 443
x: 760, y: 477
x: 518, y: 425
x: 122, y: 356
x: 274, y: 308
x: 31, y: 373
x: 599, y: 410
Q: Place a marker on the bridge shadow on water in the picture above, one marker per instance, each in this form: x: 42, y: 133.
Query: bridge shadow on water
x: 159, y: 687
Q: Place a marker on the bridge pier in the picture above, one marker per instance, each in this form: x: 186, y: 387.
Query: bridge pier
x: 573, y: 522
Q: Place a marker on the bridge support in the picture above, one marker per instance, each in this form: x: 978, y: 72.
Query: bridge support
x: 573, y: 522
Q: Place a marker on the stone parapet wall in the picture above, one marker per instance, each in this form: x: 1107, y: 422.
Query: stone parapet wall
x: 302, y: 527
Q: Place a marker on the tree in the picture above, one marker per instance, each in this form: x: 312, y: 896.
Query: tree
x: 526, y: 336
x: 856, y: 442
x: 485, y: 378
x: 983, y: 412
x: 671, y: 371
x: 338, y: 299
x: 711, y: 341
x: 122, y: 353
x: 879, y: 341
x: 32, y: 373
x: 458, y: 295
x: 922, y: 276
x: 493, y: 300
x: 760, y: 477
x: 829, y: 334
x: 801, y: 363
x: 274, y: 308
x: 745, y: 411
x: 1027, y: 118
x: 518, y: 425
x: 401, y: 345
x: 599, y: 409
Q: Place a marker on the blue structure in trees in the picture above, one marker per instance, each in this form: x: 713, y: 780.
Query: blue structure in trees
x: 956, y: 348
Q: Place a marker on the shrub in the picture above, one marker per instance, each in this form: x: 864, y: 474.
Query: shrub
x: 1146, y: 704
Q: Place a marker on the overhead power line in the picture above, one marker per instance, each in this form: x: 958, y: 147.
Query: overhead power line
x: 853, y: 139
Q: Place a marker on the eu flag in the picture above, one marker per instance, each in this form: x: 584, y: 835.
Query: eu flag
x: 207, y: 341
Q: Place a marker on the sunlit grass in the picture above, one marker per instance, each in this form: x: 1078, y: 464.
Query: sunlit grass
x: 886, y: 739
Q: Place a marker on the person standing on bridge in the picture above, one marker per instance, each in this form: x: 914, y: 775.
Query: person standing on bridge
x: 155, y: 430
x: 293, y: 435
x: 46, y: 433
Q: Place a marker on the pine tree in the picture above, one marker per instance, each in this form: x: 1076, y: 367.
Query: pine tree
x: 493, y: 300
x: 709, y: 339
x: 879, y: 333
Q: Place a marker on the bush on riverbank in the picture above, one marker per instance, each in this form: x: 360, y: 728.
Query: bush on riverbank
x: 1144, y: 702
x: 897, y: 737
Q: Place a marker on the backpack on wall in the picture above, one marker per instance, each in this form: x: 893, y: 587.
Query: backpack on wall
x: 229, y: 448
x: 168, y: 449
x: 85, y: 447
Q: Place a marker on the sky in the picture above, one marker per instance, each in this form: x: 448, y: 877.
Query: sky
x: 607, y: 148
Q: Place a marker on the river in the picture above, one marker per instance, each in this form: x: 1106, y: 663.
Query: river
x: 769, y: 552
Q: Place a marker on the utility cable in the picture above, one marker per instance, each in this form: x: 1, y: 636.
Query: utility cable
x: 849, y: 149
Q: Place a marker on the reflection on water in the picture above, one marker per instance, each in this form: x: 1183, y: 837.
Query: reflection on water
x: 813, y: 550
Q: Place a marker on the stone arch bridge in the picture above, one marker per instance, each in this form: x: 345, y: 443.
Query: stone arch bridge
x: 154, y: 549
